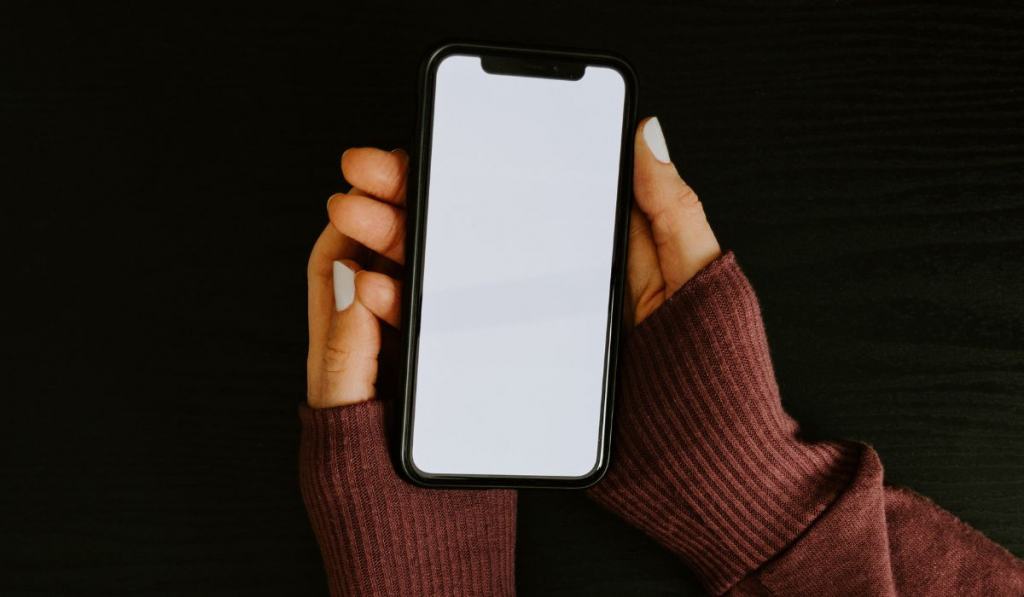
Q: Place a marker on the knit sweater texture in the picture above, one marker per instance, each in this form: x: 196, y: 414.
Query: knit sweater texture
x: 704, y: 460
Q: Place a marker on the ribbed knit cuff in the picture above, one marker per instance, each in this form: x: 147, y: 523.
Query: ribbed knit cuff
x: 382, y: 536
x: 704, y: 459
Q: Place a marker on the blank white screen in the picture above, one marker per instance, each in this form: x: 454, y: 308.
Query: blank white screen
x: 517, y: 268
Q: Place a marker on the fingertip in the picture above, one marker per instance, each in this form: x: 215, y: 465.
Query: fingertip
x: 344, y: 276
x: 344, y: 212
x: 375, y: 290
x: 353, y: 162
x: 345, y: 161
x: 654, y: 139
x: 638, y: 136
x: 381, y: 294
x: 330, y: 200
x: 374, y: 224
x: 657, y: 185
x: 380, y: 173
x: 640, y: 144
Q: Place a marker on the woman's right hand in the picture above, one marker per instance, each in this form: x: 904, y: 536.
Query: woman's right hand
x: 670, y: 239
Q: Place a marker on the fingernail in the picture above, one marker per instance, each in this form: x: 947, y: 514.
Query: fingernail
x: 344, y: 286
x: 655, y: 140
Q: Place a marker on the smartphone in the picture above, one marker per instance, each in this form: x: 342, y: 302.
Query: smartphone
x: 518, y: 209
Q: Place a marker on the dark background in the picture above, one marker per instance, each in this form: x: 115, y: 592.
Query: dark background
x: 165, y: 176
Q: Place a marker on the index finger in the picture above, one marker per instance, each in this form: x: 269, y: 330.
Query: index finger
x: 380, y: 173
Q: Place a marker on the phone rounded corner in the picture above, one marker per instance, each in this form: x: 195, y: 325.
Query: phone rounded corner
x: 437, y: 55
x: 625, y: 68
x: 408, y: 470
x: 592, y: 477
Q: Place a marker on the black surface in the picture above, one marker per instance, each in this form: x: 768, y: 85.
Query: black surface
x: 165, y: 177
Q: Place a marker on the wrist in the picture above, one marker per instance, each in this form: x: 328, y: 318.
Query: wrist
x: 704, y: 458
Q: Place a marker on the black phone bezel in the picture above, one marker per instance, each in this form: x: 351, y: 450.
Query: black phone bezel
x: 415, y: 239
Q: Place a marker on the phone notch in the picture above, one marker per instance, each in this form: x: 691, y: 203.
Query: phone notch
x: 523, y: 66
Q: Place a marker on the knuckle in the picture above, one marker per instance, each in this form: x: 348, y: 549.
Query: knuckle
x: 677, y: 218
x: 316, y: 268
x: 395, y: 238
x: 684, y: 206
x: 636, y: 226
x: 392, y: 174
x: 685, y: 196
x: 338, y: 359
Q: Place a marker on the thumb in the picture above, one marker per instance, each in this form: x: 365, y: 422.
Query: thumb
x: 353, y: 342
x: 682, y: 235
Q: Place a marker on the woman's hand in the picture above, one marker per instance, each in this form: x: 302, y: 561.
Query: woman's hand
x: 669, y: 241
x: 367, y: 520
x: 344, y: 332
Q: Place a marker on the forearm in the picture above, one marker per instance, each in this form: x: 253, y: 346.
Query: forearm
x: 382, y: 536
x: 879, y: 540
x: 706, y: 461
x: 959, y: 559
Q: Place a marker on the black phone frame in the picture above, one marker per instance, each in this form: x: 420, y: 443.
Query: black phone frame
x: 416, y: 237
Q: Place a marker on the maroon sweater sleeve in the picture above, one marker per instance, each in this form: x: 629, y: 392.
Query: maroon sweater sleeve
x: 379, y: 535
x: 706, y: 461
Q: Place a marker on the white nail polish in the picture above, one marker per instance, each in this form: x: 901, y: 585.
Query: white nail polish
x: 344, y: 286
x: 655, y: 140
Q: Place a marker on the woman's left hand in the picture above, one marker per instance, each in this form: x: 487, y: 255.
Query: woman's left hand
x: 344, y: 331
